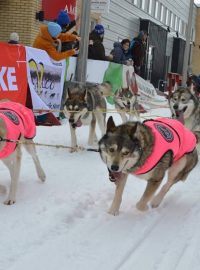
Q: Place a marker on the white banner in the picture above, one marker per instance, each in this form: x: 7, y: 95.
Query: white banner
x: 101, y: 6
x: 120, y: 76
x: 45, y: 79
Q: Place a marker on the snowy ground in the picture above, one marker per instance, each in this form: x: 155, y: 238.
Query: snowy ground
x: 63, y: 224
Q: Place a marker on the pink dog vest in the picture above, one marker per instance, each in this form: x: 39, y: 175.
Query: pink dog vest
x: 169, y: 134
x: 19, y: 120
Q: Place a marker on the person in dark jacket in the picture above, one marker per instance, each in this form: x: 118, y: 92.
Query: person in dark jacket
x: 96, y: 48
x: 138, y: 50
x: 121, y: 53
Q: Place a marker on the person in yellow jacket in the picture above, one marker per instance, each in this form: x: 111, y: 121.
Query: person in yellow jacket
x: 50, y: 36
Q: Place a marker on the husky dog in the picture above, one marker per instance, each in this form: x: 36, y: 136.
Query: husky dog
x: 85, y: 105
x: 16, y: 121
x: 185, y: 106
x: 126, y: 102
x: 147, y: 150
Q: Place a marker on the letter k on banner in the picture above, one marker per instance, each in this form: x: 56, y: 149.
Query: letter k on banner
x: 13, y: 72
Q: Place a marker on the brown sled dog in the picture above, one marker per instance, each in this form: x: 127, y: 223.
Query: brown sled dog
x: 128, y: 149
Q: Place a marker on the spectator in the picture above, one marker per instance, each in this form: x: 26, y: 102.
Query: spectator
x: 48, y: 39
x: 96, y: 48
x: 121, y: 53
x: 66, y: 24
x: 64, y: 21
x: 196, y: 82
x: 138, y: 50
x: 14, y: 38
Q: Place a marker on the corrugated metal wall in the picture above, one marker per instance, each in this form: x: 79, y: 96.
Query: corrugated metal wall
x: 123, y: 20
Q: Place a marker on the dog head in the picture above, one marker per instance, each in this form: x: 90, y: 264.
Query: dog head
x: 120, y: 148
x: 183, y: 102
x: 75, y: 106
x: 125, y: 98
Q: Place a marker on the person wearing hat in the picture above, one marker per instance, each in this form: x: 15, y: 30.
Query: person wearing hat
x: 96, y: 48
x: 49, y: 37
x: 64, y: 21
x: 66, y: 24
x: 14, y: 38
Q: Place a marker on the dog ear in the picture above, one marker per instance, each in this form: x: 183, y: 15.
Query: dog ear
x: 192, y: 91
x: 110, y: 125
x: 132, y: 130
x: 83, y: 95
x: 68, y: 94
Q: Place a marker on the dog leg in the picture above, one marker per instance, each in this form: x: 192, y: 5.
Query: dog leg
x: 123, y: 117
x: 73, y: 139
x: 134, y: 114
x: 101, y: 121
x: 120, y: 184
x: 30, y: 148
x: 151, y: 188
x: 178, y: 171
x: 92, y: 132
x: 13, y: 163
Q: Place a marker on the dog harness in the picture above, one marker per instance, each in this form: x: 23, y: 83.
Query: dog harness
x: 18, y: 120
x: 170, y: 135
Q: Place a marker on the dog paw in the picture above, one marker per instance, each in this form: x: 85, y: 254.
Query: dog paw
x: 114, y: 212
x: 141, y: 206
x: 155, y: 202
x: 42, y: 176
x: 74, y: 149
x: 9, y: 202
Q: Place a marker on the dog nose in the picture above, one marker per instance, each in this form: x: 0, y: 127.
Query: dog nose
x: 175, y: 106
x: 114, y: 168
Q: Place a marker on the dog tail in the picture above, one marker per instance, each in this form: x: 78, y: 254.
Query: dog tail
x: 106, y: 88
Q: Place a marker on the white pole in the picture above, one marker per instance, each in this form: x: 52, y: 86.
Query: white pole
x: 81, y: 67
x: 187, y: 45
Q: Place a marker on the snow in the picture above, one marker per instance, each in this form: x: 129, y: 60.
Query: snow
x: 63, y: 223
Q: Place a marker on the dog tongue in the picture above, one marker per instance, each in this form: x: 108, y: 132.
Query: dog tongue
x: 79, y: 123
x: 180, y: 117
x: 113, y: 176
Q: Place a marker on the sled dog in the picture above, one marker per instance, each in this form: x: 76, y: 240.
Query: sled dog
x: 16, y: 122
x: 147, y: 150
x: 185, y: 106
x: 126, y: 102
x: 86, y: 105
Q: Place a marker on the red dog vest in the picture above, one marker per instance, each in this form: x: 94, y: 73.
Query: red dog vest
x: 19, y: 120
x: 169, y: 134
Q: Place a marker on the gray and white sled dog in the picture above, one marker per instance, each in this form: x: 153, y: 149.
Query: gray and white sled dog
x: 185, y: 106
x: 126, y: 103
x: 16, y: 121
x: 147, y: 150
x: 86, y: 105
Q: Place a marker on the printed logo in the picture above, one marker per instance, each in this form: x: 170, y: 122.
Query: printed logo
x: 165, y: 132
x: 12, y: 117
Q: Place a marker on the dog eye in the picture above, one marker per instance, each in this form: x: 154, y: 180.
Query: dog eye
x: 183, y: 99
x: 76, y: 108
x: 111, y: 150
x: 125, y: 153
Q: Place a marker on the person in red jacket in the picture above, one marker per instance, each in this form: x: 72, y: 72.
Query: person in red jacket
x: 50, y: 36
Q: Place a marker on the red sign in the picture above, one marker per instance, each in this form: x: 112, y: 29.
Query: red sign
x: 13, y: 73
x: 51, y: 8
